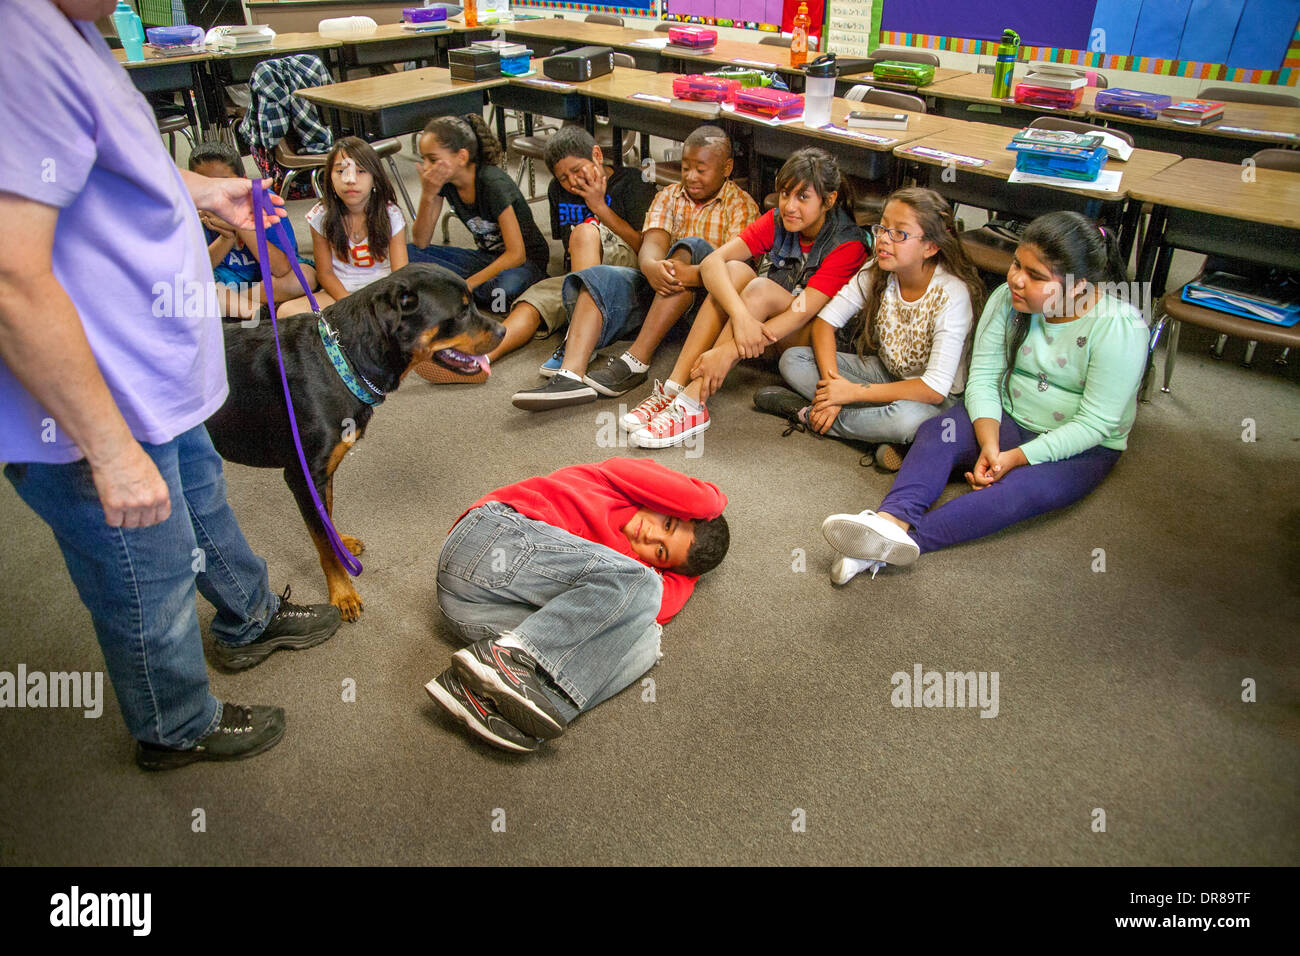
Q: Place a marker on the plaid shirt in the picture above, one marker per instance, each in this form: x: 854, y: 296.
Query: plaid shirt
x: 716, y: 221
x: 275, y: 109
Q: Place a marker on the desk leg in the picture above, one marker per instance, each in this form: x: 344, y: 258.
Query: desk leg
x: 1128, y: 228
x: 1150, y: 244
x: 616, y: 146
x: 501, y: 124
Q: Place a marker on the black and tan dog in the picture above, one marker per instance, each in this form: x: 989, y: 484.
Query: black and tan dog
x: 418, y: 312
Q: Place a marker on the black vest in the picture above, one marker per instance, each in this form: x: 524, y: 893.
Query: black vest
x: 787, y: 265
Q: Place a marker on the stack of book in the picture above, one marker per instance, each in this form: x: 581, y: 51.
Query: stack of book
x: 1276, y: 301
x: 239, y: 38
x: 1193, y: 112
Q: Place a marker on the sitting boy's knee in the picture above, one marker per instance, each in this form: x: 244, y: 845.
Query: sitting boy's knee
x: 584, y: 237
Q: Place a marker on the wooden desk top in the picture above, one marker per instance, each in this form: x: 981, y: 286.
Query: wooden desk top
x: 1201, y: 185
x: 581, y: 33
x: 978, y: 88
x: 375, y: 93
x: 942, y: 74
x: 744, y: 53
x: 919, y: 125
x: 987, y: 141
x: 1277, y: 124
x: 394, y: 31
x: 284, y: 43
x: 151, y: 58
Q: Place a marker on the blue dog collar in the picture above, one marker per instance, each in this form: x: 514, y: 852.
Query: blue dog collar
x: 330, y: 339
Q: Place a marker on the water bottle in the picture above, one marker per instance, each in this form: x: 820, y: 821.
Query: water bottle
x: 1005, y: 66
x: 819, y: 90
x: 130, y: 31
x: 471, y: 13
x: 799, y: 37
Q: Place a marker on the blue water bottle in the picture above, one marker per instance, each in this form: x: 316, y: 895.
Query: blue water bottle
x: 1005, y: 66
x: 129, y: 30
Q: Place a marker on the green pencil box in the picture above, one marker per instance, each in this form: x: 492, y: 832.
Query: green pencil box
x: 909, y: 74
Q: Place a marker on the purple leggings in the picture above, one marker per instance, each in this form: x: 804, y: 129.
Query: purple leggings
x: 1022, y: 493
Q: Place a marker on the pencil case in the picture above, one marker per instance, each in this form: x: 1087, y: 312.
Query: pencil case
x: 423, y: 14
x: 183, y: 35
x: 707, y: 89
x: 1029, y: 95
x: 1133, y: 103
x: 769, y: 103
x: 694, y: 37
x: 896, y: 71
x: 1084, y: 168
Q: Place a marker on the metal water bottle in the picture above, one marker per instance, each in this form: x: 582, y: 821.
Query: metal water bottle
x: 1005, y: 67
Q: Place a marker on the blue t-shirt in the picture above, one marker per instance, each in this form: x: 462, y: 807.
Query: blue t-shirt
x: 240, y: 265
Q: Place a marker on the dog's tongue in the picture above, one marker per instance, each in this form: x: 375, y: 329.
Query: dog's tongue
x: 482, y: 362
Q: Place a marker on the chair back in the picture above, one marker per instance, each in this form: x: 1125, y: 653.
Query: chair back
x: 1284, y: 159
x: 891, y: 100
x: 1257, y: 97
x: 904, y: 56
x: 1076, y: 126
x: 605, y: 18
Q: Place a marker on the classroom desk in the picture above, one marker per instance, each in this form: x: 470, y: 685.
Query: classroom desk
x: 1271, y: 126
x: 941, y: 75
x: 987, y: 187
x: 743, y: 53
x: 969, y: 96
x: 545, y: 36
x: 1209, y: 207
x: 392, y: 44
x: 399, y: 103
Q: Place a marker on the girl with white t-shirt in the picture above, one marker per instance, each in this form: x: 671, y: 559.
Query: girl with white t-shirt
x: 358, y: 233
x: 915, y: 303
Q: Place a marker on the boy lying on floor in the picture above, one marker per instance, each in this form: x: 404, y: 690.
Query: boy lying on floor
x: 560, y: 584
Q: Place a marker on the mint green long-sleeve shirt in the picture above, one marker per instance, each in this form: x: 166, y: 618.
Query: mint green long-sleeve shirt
x: 1075, y: 382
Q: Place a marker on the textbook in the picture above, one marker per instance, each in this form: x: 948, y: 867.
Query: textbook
x: 858, y: 119
x: 1199, y: 112
x: 1277, y: 302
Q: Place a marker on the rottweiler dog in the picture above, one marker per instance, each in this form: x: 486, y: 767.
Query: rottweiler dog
x: 421, y: 311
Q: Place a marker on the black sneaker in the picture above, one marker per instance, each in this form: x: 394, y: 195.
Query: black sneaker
x: 242, y: 732
x: 780, y: 401
x: 478, y: 714
x: 557, y: 393
x: 615, y: 377
x: 508, y: 675
x: 293, y: 627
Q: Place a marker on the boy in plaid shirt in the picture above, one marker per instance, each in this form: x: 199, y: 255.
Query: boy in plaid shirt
x: 605, y: 303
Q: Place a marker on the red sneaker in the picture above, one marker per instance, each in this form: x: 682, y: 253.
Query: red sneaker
x: 640, y: 416
x: 672, y: 426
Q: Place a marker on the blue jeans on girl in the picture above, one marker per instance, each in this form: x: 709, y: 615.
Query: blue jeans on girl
x: 466, y: 262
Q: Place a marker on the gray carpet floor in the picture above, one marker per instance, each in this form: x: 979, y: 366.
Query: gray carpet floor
x: 768, y: 736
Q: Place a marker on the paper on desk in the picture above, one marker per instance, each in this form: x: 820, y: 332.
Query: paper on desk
x: 1107, y: 181
x: 654, y: 43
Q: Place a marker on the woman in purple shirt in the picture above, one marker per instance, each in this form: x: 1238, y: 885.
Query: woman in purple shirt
x: 111, y: 359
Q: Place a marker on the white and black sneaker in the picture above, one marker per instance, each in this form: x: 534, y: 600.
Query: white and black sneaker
x: 615, y: 377
x: 508, y: 675
x: 869, y: 537
x: 559, y: 392
x: 478, y: 714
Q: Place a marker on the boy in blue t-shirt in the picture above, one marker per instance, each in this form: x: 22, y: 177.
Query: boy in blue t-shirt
x: 234, y: 251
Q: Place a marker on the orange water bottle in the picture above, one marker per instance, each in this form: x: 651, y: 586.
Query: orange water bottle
x: 799, y: 37
x: 471, y: 13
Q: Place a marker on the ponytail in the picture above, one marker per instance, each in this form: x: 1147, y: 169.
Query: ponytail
x: 470, y: 133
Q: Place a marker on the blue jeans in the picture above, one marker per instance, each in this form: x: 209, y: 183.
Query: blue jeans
x: 585, y: 612
x: 466, y: 262
x: 895, y: 422
x: 624, y: 295
x: 138, y: 583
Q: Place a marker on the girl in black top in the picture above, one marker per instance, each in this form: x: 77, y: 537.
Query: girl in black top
x: 460, y: 163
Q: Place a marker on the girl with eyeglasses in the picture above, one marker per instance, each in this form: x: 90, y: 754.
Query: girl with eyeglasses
x: 1051, y: 396
x: 913, y: 307
x: 807, y: 247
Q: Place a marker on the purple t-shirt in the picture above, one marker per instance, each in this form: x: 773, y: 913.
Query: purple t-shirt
x: 128, y: 247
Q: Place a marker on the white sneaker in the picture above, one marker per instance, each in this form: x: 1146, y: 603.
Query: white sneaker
x: 640, y: 416
x: 845, y: 569
x: 672, y: 426
x: 869, y: 537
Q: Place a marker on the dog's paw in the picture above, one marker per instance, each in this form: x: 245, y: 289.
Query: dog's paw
x: 355, y: 545
x: 349, y: 605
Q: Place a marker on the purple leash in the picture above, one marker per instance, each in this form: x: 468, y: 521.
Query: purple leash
x: 262, y: 206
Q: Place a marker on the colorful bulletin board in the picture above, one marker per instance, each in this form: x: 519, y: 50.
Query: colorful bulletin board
x: 1247, y: 41
x: 625, y: 8
x: 749, y: 14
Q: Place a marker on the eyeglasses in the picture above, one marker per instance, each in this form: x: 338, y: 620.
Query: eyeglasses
x: 895, y: 235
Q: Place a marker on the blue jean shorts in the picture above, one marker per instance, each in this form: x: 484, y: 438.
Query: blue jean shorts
x: 624, y: 295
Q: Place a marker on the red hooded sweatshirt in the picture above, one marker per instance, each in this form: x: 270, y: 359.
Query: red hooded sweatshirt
x: 595, y: 502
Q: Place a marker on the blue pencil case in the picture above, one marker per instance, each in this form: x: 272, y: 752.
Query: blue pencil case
x: 1133, y: 103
